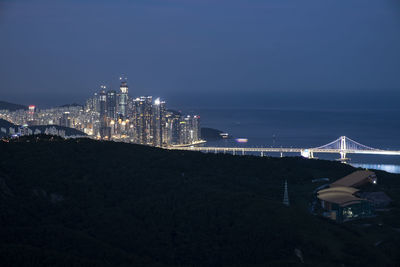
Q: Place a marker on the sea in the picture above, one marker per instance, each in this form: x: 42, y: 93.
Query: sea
x: 308, y: 128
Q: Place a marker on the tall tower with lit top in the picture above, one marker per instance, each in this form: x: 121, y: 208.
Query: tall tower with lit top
x: 123, y: 97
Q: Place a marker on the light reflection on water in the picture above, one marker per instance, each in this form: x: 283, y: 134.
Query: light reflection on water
x: 382, y: 167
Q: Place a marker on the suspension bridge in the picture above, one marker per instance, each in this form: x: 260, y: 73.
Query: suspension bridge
x: 342, y: 146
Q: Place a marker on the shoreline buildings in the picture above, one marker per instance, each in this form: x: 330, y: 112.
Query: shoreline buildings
x: 111, y: 115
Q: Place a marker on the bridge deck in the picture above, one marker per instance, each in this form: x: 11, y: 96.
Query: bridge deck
x: 287, y: 150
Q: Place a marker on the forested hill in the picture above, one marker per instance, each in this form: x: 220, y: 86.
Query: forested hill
x: 6, y: 125
x: 11, y: 106
x: 90, y: 203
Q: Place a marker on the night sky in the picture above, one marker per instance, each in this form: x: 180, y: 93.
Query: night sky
x: 203, y: 52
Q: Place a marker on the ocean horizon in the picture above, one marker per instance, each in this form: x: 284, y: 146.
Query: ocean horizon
x: 308, y: 128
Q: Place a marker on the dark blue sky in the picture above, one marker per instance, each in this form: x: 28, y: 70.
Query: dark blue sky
x: 202, y: 52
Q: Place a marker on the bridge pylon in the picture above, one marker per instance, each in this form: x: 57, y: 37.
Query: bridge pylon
x: 343, y: 158
x: 343, y: 145
x: 308, y: 153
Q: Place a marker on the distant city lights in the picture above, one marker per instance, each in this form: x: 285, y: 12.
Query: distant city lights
x: 112, y: 115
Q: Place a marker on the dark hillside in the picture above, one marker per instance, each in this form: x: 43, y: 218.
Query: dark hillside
x: 68, y: 131
x: 6, y: 124
x: 82, y: 202
x: 11, y: 106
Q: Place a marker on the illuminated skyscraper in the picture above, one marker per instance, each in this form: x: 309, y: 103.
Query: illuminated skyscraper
x: 172, y: 127
x: 31, y: 112
x: 123, y: 98
x: 138, y: 120
x: 92, y: 104
x: 104, y: 132
x: 148, y: 116
x: 32, y: 115
x: 111, y: 104
x: 65, y: 120
x: 196, y: 128
x: 189, y: 131
x: 159, y: 117
x: 103, y: 103
x: 184, y: 130
x: 143, y: 120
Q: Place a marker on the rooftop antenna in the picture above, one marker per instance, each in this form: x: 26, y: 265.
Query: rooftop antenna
x: 286, y: 195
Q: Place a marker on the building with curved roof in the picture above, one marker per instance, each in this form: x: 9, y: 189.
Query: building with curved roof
x: 356, y: 179
x: 341, y: 201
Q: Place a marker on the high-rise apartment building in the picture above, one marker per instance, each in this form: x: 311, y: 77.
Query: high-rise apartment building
x: 196, y: 128
x: 143, y: 114
x: 65, y: 120
x: 189, y: 129
x: 32, y: 115
x: 159, y: 123
x: 173, y: 119
x: 111, y: 103
x: 104, y: 129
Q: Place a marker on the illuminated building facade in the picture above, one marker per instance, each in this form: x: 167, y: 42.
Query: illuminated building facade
x: 143, y: 120
x: 65, y: 120
x: 111, y: 104
x: 105, y: 132
x: 159, y: 122
x: 32, y: 115
x: 123, y: 99
x: 189, y: 131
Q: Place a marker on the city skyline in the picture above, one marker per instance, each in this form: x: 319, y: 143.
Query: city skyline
x: 186, y: 50
x: 199, y: 133
x: 112, y: 115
